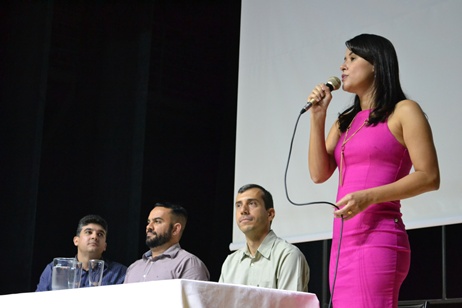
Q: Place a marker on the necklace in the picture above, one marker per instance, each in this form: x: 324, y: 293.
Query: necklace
x: 347, y: 138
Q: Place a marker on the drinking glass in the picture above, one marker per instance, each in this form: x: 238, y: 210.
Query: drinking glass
x: 95, y: 272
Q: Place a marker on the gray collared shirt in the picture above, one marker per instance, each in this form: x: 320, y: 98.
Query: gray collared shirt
x: 277, y: 264
x: 174, y: 263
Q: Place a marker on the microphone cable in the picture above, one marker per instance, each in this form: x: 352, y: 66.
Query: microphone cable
x: 314, y: 202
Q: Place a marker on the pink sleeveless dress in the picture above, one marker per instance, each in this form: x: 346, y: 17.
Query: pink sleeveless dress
x: 375, y: 254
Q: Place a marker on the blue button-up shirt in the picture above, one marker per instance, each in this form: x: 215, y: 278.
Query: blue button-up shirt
x: 114, y: 273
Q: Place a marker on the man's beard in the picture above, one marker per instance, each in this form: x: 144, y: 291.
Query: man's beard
x: 160, y: 239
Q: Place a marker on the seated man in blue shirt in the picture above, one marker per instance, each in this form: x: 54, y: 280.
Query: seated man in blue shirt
x: 90, y: 241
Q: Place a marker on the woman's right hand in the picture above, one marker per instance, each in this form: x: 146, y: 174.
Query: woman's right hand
x: 320, y: 98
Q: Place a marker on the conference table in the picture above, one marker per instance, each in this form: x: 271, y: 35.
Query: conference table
x: 165, y: 293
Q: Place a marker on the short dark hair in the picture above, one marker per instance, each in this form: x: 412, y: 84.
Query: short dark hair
x: 267, y: 197
x: 178, y: 211
x: 91, y: 219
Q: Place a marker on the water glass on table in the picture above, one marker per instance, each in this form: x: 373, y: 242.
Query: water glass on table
x: 95, y: 272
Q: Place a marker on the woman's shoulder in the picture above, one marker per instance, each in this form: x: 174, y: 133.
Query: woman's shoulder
x: 407, y: 110
x: 407, y: 106
x: 408, y: 114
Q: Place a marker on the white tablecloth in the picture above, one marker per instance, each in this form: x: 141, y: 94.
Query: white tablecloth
x: 166, y: 293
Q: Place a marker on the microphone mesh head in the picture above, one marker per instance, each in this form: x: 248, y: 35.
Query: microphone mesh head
x: 334, y: 82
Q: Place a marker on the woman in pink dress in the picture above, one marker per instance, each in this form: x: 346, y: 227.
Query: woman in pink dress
x: 374, y: 144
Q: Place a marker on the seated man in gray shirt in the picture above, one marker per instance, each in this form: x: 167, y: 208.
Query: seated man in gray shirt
x: 266, y: 260
x: 166, y: 259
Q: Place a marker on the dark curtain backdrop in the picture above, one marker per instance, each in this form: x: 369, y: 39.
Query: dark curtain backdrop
x: 108, y: 107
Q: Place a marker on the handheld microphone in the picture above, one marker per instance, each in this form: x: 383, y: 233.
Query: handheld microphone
x: 333, y: 83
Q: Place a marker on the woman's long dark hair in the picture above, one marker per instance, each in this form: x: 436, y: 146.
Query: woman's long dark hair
x: 380, y: 52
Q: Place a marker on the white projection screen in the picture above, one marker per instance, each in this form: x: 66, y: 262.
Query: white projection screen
x: 287, y: 47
